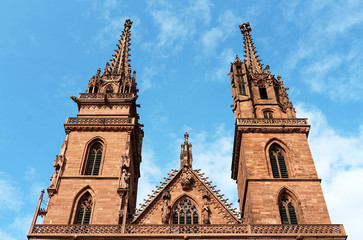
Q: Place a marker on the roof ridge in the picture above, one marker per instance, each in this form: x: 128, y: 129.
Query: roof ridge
x: 223, y: 201
x: 159, y: 190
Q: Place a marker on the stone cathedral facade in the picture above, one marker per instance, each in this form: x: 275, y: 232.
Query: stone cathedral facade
x: 93, y: 189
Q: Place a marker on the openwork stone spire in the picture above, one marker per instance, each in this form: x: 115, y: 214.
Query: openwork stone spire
x: 120, y: 62
x: 252, y: 61
x: 186, y: 157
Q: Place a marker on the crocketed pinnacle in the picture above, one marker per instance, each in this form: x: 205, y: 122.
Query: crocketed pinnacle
x: 252, y: 61
x: 186, y: 157
x: 120, y: 62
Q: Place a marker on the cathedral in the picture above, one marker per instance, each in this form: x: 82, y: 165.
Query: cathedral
x: 94, y: 186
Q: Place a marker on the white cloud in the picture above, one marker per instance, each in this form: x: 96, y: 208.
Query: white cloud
x: 30, y: 173
x: 177, y: 22
x: 11, y: 198
x: 222, y: 63
x: 212, y: 154
x: 226, y: 25
x: 146, y: 78
x: 324, y: 49
x: 339, y: 163
x: 332, y: 151
x: 317, y: 72
x: 21, y: 225
x: 111, y: 13
x: 150, y: 174
x: 344, y: 196
x: 5, y: 236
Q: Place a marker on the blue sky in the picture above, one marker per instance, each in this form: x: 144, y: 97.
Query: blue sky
x: 181, y: 51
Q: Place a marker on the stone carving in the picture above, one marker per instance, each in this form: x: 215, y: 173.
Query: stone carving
x: 186, y: 157
x: 165, y: 208
x: 53, y: 179
x: 124, y: 180
x: 186, y: 179
x: 155, y: 230
x: 58, y: 170
x: 125, y: 161
x: 205, y: 208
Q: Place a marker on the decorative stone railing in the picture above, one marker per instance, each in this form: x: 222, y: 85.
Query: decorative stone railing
x: 99, y: 121
x: 108, y: 95
x: 233, y: 229
x: 272, y: 121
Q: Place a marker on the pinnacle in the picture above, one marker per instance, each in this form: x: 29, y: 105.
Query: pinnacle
x: 119, y: 63
x: 252, y: 59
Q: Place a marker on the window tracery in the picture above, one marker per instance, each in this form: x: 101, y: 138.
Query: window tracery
x: 287, y: 210
x: 277, y: 160
x: 242, y: 89
x: 185, y: 212
x: 267, y: 114
x: 84, y: 209
x: 94, y: 158
x: 109, y: 89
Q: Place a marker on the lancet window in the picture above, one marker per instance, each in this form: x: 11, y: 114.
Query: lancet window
x: 94, y: 158
x: 127, y: 89
x: 267, y: 114
x: 242, y: 89
x: 277, y: 160
x: 109, y: 89
x: 287, y: 210
x: 84, y: 209
x: 263, y: 91
x: 185, y: 212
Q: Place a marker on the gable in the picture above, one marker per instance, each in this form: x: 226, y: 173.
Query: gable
x: 186, y: 184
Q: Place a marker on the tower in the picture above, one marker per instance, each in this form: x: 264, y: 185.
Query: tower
x: 272, y: 164
x: 93, y: 190
x: 96, y: 173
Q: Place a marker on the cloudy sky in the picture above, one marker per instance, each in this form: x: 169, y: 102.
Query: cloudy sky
x: 181, y: 51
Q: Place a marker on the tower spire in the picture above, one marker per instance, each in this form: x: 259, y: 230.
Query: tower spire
x: 186, y: 157
x: 120, y: 62
x: 252, y: 61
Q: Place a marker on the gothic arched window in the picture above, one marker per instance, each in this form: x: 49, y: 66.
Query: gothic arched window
x: 84, y: 209
x: 94, y: 157
x: 242, y: 89
x: 268, y: 114
x: 109, y: 89
x: 263, y: 91
x: 127, y: 89
x: 277, y: 160
x: 185, y: 212
x: 287, y: 210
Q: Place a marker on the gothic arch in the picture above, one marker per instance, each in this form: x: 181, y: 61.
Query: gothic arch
x: 289, y: 206
x: 86, y: 152
x: 87, y: 190
x: 265, y: 113
x: 285, y: 150
x: 127, y: 88
x: 262, y: 89
x: 109, y: 88
x: 185, y: 210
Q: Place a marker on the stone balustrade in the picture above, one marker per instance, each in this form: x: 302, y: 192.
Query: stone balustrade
x: 210, y: 229
x: 272, y: 121
x: 108, y: 95
x: 99, y: 121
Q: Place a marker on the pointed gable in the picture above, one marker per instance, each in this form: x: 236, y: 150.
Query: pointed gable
x: 186, y: 189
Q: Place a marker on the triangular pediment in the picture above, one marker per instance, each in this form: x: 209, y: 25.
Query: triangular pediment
x: 186, y: 185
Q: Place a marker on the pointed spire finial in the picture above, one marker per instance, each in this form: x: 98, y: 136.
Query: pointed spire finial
x: 186, y: 157
x: 186, y: 136
x: 120, y: 62
x: 252, y: 60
